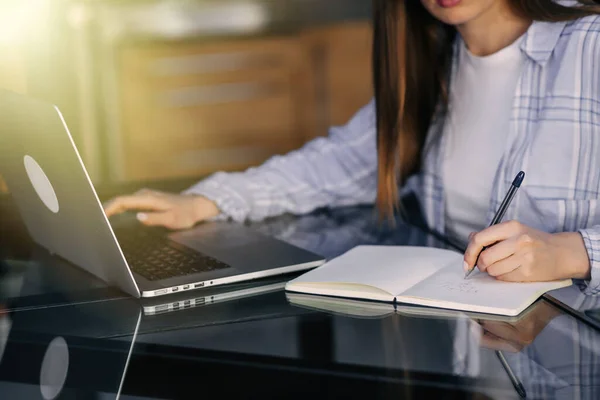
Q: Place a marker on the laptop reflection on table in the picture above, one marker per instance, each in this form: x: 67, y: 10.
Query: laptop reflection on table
x: 39, y: 365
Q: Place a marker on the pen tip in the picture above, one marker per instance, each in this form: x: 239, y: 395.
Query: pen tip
x: 521, y: 391
x: 519, y: 179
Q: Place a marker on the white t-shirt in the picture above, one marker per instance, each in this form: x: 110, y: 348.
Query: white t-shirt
x: 477, y: 124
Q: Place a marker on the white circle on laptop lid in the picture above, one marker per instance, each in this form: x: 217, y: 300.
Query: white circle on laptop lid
x: 41, y: 184
x: 55, y: 367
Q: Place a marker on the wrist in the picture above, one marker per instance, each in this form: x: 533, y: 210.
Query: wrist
x: 573, y: 255
x: 204, y: 208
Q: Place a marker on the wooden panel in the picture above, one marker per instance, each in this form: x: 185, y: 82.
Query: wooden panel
x: 217, y: 124
x: 314, y: 108
x: 190, y: 109
x: 263, y: 127
x: 194, y: 108
x: 349, y: 77
x: 239, y: 107
x: 185, y: 59
x: 341, y: 72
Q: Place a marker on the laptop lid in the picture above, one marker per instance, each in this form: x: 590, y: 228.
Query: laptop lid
x: 53, y: 192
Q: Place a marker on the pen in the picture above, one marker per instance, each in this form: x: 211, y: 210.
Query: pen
x: 502, y: 210
x: 515, y: 381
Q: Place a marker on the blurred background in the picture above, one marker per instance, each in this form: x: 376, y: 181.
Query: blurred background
x: 178, y: 89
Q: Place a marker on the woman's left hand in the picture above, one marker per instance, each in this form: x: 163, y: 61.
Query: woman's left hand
x: 523, y: 254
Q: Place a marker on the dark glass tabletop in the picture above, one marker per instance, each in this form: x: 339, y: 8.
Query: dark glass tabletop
x: 65, y: 334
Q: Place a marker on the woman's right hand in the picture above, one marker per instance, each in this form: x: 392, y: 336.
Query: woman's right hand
x: 173, y: 211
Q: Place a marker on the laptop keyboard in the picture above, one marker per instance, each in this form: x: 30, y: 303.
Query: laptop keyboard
x: 155, y: 257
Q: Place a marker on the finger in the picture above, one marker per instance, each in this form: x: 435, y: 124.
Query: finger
x: 164, y: 218
x: 505, y: 266
x: 496, y: 253
x: 489, y: 236
x: 116, y: 206
x: 502, y: 330
x: 108, y: 207
x: 168, y: 219
x: 490, y: 341
x: 134, y: 202
x: 520, y: 274
x: 112, y: 206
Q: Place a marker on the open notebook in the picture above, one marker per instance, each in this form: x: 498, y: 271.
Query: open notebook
x: 418, y: 275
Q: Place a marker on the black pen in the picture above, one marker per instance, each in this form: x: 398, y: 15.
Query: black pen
x: 513, y: 379
x: 502, y: 210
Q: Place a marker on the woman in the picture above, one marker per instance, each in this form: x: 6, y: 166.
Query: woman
x: 467, y: 93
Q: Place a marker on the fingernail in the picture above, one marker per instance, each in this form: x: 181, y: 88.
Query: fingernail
x: 142, y: 216
x: 465, y: 266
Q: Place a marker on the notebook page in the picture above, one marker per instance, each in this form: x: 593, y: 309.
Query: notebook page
x: 480, y: 292
x: 390, y: 269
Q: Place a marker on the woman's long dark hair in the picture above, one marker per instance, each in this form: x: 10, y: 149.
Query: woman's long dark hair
x: 412, y: 53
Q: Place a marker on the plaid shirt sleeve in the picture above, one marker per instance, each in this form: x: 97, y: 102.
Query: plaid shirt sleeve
x: 591, y: 238
x: 337, y: 170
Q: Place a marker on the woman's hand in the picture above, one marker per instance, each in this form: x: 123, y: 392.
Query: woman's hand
x: 173, y: 211
x: 523, y: 254
x: 515, y: 336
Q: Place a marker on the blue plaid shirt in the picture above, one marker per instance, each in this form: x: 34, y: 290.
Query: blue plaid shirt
x: 554, y: 137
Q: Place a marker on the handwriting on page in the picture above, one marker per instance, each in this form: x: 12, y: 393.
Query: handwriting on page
x: 463, y: 287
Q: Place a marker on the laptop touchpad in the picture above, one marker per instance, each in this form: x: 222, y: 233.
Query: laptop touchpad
x: 216, y: 236
x: 224, y: 241
x: 239, y: 246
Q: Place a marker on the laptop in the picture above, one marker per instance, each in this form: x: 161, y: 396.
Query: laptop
x: 62, y: 212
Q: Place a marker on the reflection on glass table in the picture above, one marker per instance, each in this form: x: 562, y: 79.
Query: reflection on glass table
x: 551, y: 353
x: 572, y: 300
x: 265, y: 337
x: 47, y: 367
